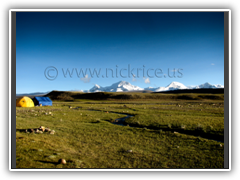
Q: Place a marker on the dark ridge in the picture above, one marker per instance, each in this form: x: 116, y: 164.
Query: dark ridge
x: 214, y: 94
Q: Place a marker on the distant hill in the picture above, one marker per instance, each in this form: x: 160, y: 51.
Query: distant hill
x: 193, y: 94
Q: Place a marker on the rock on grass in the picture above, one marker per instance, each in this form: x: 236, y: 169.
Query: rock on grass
x: 62, y: 161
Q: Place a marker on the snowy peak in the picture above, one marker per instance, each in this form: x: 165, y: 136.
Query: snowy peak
x: 122, y: 86
x: 96, y: 88
x: 176, y: 85
x: 116, y: 87
x: 171, y: 86
x: 208, y: 85
x: 122, y: 83
x: 219, y: 86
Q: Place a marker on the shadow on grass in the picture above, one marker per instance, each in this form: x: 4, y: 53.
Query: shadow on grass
x: 49, y: 162
x: 24, y: 130
x: 196, y: 133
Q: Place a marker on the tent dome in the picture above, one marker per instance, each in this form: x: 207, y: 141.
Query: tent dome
x: 42, y: 101
x: 24, y: 102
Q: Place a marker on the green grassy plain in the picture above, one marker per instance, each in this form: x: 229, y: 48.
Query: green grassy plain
x: 164, y: 132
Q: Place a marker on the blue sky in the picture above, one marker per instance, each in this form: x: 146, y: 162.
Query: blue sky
x: 190, y: 42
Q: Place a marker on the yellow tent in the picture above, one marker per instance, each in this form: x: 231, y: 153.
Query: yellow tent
x: 24, y: 102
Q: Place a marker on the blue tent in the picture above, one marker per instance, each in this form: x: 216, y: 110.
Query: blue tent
x: 45, y: 101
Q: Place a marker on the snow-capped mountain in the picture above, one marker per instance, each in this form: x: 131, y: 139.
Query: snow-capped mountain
x: 123, y: 86
x: 120, y: 86
x: 96, y: 88
x: 174, y: 86
x: 208, y: 85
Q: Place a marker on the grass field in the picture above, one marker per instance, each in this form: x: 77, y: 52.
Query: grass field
x: 170, y: 131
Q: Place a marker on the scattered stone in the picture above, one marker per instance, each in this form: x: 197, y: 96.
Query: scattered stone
x: 177, y: 146
x: 52, y: 132
x: 47, y: 129
x: 37, y: 130
x: 175, y: 132
x: 42, y: 128
x: 220, y: 145
x: 46, y: 113
x: 52, y: 156
x: 62, y: 161
x: 26, y: 131
x: 129, y: 151
x: 183, y: 126
x: 70, y: 107
x: 40, y: 150
x: 50, y: 113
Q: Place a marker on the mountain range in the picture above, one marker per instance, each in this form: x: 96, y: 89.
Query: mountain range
x: 123, y: 86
